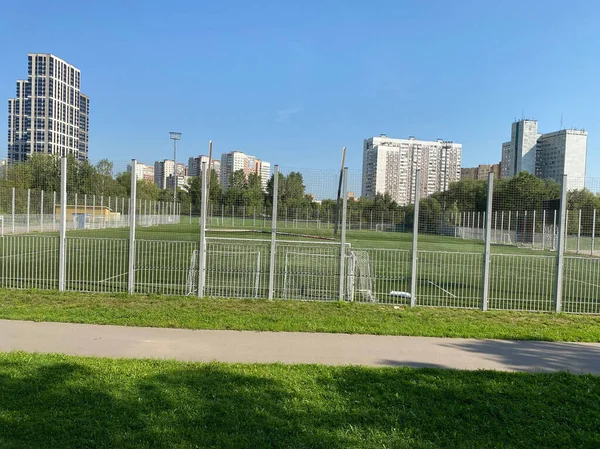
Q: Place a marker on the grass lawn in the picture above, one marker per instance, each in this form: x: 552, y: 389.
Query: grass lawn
x: 56, y: 401
x: 279, y: 315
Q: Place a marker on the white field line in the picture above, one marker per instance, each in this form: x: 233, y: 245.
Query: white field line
x: 30, y: 254
x: 442, y: 289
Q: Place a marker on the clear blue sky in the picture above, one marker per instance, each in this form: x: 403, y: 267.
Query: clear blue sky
x: 293, y: 82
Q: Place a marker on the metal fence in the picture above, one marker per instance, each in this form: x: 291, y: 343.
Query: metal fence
x: 296, y: 253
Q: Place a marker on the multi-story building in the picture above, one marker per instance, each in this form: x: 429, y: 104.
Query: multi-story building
x: 390, y: 165
x: 548, y: 156
x: 164, y: 169
x: 195, y: 166
x: 236, y: 160
x: 143, y: 172
x: 562, y: 152
x: 49, y: 114
x: 481, y: 172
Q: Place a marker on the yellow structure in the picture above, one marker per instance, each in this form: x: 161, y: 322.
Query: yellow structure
x: 92, y: 213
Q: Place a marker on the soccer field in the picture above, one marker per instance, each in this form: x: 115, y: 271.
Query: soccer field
x: 377, y: 267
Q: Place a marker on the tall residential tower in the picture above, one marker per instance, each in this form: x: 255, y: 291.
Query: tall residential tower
x: 49, y: 114
x: 548, y: 156
x: 390, y: 166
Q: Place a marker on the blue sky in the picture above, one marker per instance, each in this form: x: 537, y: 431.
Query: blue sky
x: 293, y: 82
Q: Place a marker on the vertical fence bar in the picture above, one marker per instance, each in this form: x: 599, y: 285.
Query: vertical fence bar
x: 28, y: 205
x: 533, y: 230
x: 62, y: 272
x: 343, y: 235
x: 54, y: 211
x: 413, y: 270
x: 485, y: 284
x: 13, y: 210
x: 579, y: 231
x: 554, y: 232
x: 132, y: 201
x: 593, y: 232
x: 544, y: 229
x: 202, y: 250
x: 273, y: 231
x: 561, y: 247
x: 41, y: 211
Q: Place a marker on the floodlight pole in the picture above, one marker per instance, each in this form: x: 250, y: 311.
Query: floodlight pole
x: 174, y: 136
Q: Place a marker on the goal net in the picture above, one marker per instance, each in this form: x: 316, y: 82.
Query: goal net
x: 229, y: 273
x: 316, y: 276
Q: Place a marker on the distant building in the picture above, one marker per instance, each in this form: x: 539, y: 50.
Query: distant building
x: 390, y: 165
x: 164, y: 169
x: 143, y: 171
x: 548, y: 156
x: 195, y: 166
x: 49, y: 114
x: 236, y: 160
x: 481, y: 172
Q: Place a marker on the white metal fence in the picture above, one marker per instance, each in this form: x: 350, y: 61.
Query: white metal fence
x: 300, y: 269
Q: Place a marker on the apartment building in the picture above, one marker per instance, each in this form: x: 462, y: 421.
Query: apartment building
x: 236, y: 160
x: 48, y: 114
x: 481, y: 172
x: 390, y: 166
x: 195, y: 166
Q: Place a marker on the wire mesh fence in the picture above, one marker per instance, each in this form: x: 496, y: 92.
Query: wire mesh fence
x: 307, y: 236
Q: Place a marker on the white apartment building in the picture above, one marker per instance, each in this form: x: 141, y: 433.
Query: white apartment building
x: 390, y: 165
x: 142, y: 172
x: 195, y: 166
x: 236, y: 160
x: 548, y: 156
x: 164, y: 169
x: 562, y: 152
x: 49, y: 114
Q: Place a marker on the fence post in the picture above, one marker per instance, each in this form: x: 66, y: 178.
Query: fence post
x: 566, y: 229
x: 41, y: 211
x: 62, y: 272
x: 28, y: 204
x: 132, y: 203
x: 533, y: 230
x: 554, y: 232
x: 13, y: 210
x: 273, y: 231
x: 579, y: 231
x: 502, y: 227
x: 561, y: 247
x: 343, y: 235
x: 593, y: 232
x: 54, y: 211
x: 413, y: 270
x: 487, y: 248
x: 202, y: 250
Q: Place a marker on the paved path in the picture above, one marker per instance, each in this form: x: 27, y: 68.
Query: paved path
x: 294, y: 347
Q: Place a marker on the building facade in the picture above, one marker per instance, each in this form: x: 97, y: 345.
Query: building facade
x: 481, y: 172
x: 390, y: 166
x: 548, y: 156
x: 195, y: 166
x: 49, y: 114
x: 143, y: 172
x: 236, y: 160
x: 164, y: 169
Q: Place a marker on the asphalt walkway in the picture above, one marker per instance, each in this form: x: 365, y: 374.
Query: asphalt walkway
x: 295, y: 347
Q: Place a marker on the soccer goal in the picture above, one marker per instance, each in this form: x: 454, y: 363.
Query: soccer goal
x: 360, y: 279
x: 316, y: 276
x: 229, y: 273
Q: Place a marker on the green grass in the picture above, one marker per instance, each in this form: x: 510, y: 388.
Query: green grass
x: 279, y: 315
x: 56, y: 401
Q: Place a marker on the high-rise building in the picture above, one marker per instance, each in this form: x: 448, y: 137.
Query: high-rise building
x: 236, y: 160
x: 481, y: 172
x: 548, y: 156
x: 164, y: 169
x: 390, y: 165
x: 49, y: 114
x: 562, y: 153
x: 143, y: 172
x: 195, y: 166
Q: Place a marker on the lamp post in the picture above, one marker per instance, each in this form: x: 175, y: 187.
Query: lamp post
x: 174, y: 136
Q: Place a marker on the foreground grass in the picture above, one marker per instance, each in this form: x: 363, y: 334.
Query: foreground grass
x: 262, y: 315
x: 55, y: 401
